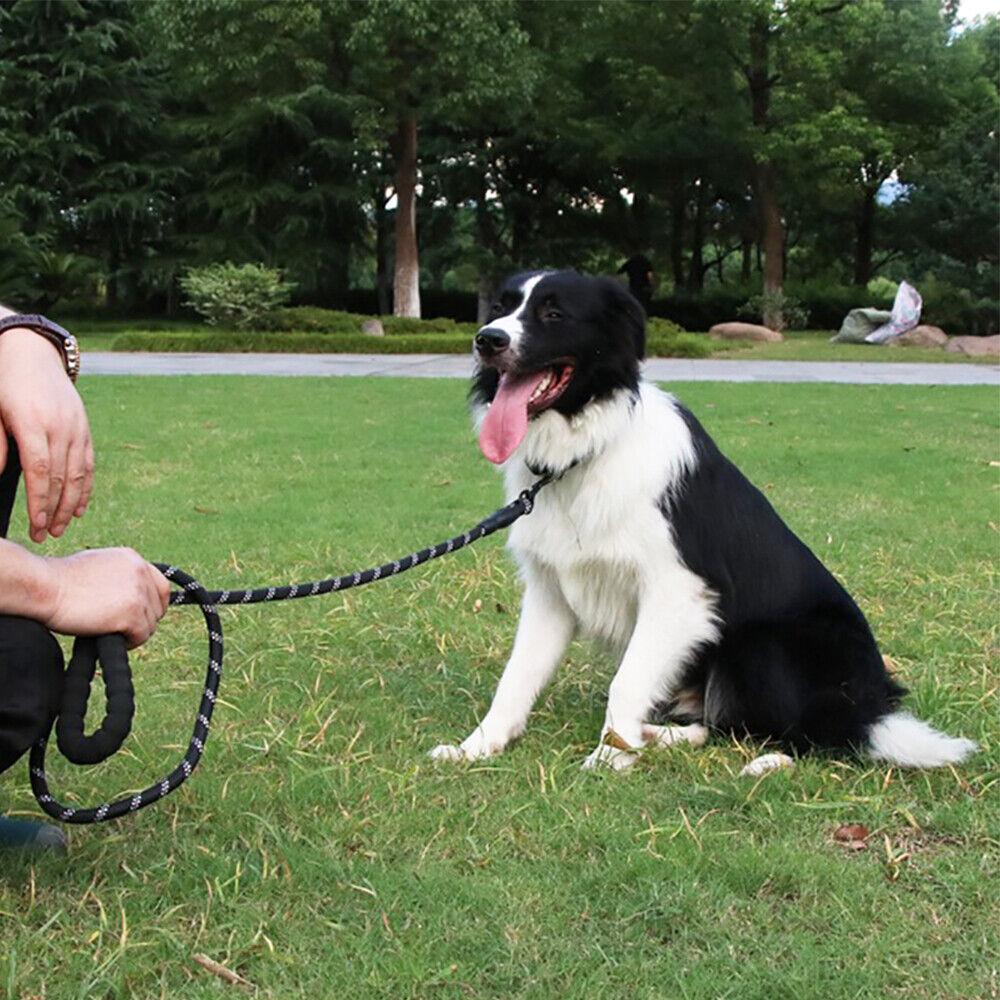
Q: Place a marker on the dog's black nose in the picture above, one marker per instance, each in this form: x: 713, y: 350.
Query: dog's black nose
x: 491, y: 340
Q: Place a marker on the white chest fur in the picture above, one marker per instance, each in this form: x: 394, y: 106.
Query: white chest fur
x: 598, y: 532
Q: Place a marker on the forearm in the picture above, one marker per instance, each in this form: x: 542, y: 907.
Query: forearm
x: 26, y: 583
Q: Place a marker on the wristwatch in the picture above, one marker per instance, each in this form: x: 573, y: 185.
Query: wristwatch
x: 62, y: 339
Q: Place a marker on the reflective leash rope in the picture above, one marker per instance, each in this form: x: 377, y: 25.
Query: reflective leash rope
x: 110, y: 652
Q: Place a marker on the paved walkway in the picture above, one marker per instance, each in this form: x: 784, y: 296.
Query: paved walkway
x: 460, y: 366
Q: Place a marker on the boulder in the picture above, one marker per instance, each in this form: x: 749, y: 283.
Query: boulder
x: 373, y: 327
x: 975, y: 347
x: 921, y: 336
x: 745, y: 331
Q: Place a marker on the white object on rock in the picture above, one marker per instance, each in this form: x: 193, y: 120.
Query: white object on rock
x: 905, y: 315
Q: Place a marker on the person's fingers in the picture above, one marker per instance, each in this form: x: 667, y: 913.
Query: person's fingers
x: 161, y: 586
x: 36, y: 464
x: 59, y: 444
x: 3, y: 448
x: 88, y: 483
x: 72, y: 490
x: 140, y: 627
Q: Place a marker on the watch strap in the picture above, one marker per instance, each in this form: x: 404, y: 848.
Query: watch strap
x: 58, y: 336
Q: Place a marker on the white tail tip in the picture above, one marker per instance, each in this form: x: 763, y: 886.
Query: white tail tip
x: 901, y: 739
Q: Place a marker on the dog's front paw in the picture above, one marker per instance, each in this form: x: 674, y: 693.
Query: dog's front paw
x: 475, y: 747
x: 613, y: 752
x: 608, y: 756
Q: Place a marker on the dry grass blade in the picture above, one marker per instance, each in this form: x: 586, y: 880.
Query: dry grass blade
x: 220, y: 970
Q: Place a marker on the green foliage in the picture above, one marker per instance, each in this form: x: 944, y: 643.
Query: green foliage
x: 57, y: 276
x: 153, y: 137
x: 660, y: 343
x: 238, y: 295
x: 313, y: 319
x: 299, y: 343
x: 791, y: 313
x: 82, y: 152
x: 336, y: 321
x: 957, y: 310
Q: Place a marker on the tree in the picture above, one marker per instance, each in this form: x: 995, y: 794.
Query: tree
x: 262, y: 118
x: 415, y: 61
x: 79, y: 107
x: 946, y: 217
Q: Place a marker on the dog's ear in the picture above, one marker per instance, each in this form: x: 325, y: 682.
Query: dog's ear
x: 626, y: 313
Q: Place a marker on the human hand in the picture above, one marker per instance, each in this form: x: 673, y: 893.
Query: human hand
x: 101, y: 591
x: 41, y: 408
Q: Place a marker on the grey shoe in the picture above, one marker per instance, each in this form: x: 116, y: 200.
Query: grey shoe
x: 30, y: 835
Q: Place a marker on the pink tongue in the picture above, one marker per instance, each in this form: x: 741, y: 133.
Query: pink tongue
x: 506, y: 422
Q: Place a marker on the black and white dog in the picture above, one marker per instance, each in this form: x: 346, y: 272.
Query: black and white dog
x: 654, y: 542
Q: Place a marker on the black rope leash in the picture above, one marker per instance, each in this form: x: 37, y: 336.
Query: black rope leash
x: 110, y: 653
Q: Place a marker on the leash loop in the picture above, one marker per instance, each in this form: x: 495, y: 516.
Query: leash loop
x: 196, y: 746
x: 110, y: 651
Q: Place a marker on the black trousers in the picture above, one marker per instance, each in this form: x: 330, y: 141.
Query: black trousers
x: 31, y: 661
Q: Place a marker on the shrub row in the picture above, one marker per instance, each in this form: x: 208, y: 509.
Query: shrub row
x: 313, y: 319
x: 662, y: 342
x: 953, y: 309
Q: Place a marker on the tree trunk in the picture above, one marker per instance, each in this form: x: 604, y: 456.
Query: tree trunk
x: 765, y: 178
x: 486, y: 239
x: 747, y: 248
x: 773, y: 241
x: 696, y: 270
x: 406, y: 278
x: 484, y: 298
x: 677, y: 205
x: 864, y: 239
x: 111, y: 285
x: 382, y: 252
x: 639, y: 228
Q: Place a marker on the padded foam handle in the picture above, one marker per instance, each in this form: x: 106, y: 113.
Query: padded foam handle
x: 106, y: 740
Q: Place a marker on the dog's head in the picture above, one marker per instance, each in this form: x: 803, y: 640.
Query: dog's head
x: 554, y: 341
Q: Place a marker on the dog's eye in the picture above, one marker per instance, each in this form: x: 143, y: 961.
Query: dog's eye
x: 496, y: 310
x: 549, y: 314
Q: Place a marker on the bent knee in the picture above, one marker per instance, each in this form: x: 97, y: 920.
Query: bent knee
x: 31, y: 664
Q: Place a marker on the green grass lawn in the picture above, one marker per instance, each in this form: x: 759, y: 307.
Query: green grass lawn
x: 319, y: 853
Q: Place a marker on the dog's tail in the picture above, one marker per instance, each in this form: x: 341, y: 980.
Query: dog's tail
x: 902, y: 739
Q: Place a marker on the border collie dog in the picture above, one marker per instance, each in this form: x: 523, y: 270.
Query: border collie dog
x: 652, y: 541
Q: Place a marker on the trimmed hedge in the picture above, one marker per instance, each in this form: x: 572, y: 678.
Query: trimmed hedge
x: 312, y: 319
x: 660, y: 344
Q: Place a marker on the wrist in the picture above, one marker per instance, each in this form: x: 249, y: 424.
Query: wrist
x: 19, y: 341
x: 62, y: 340
x: 29, y: 584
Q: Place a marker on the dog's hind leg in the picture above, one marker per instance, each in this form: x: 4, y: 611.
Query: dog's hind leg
x: 546, y: 627
x: 668, y: 630
x: 666, y: 736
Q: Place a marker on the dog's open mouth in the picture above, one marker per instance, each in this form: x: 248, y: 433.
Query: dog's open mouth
x: 519, y: 397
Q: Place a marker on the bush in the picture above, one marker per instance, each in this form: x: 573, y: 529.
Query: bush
x: 957, y: 310
x: 662, y: 342
x: 292, y: 343
x: 335, y: 321
x: 656, y: 326
x: 236, y: 295
x: 792, y: 315
x: 312, y: 319
x: 693, y: 311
